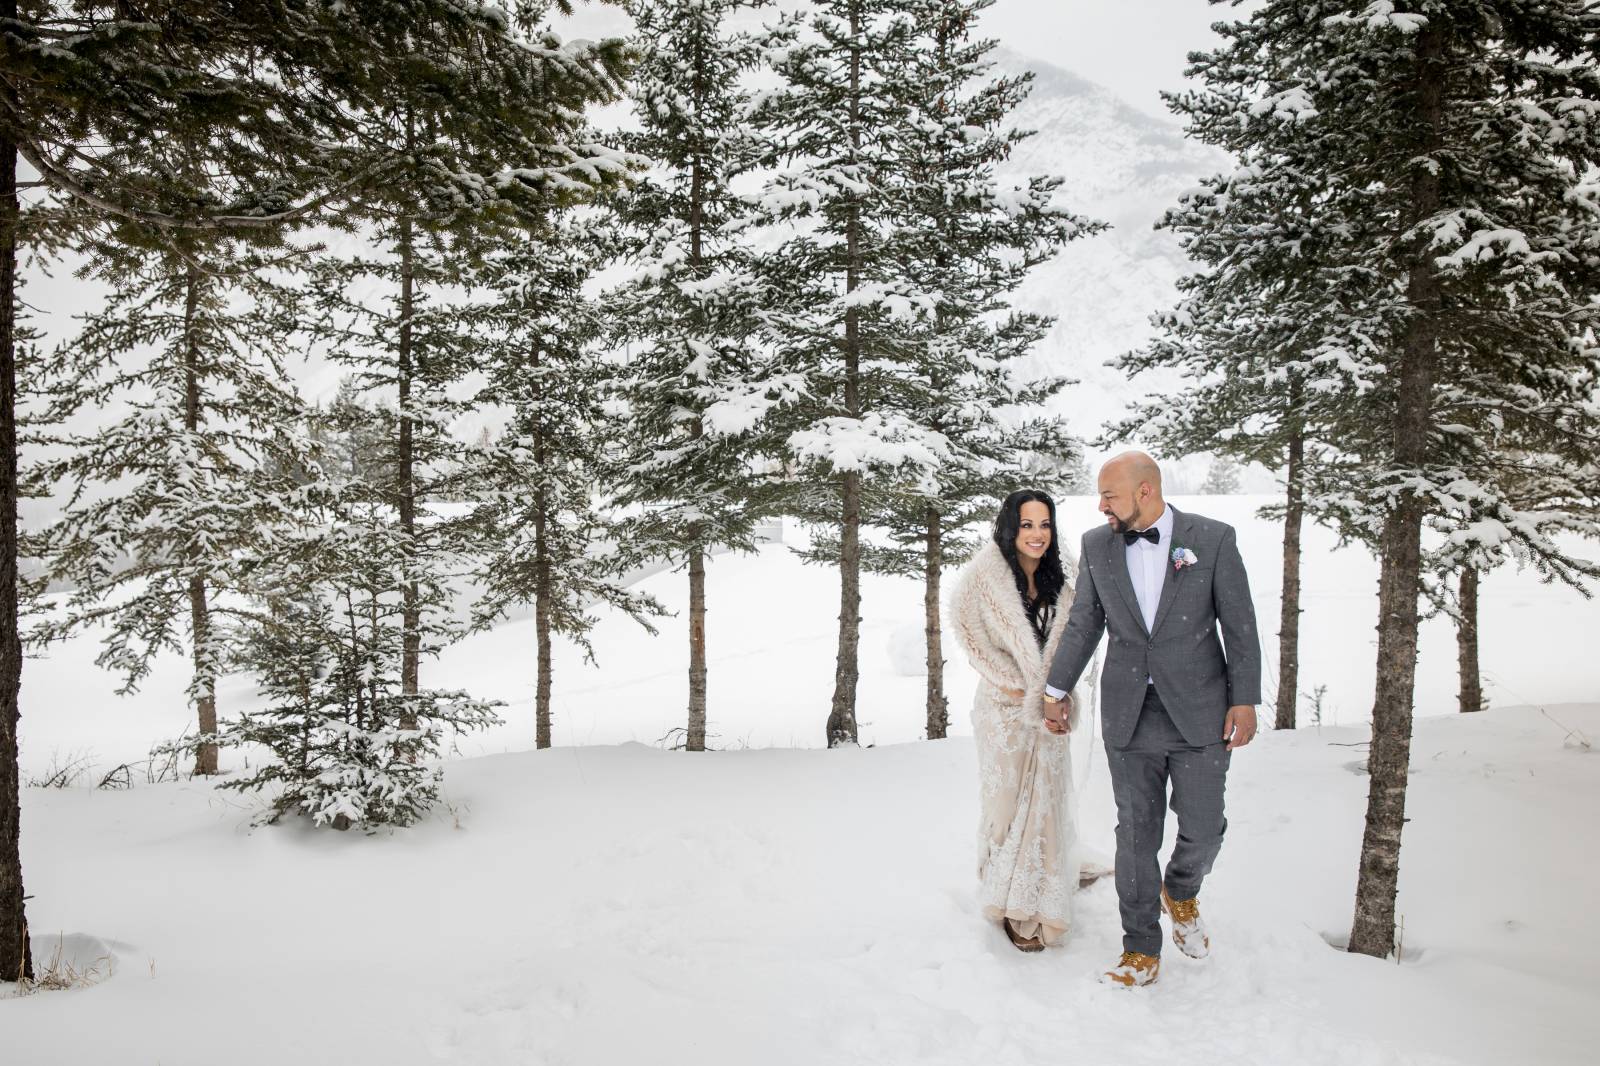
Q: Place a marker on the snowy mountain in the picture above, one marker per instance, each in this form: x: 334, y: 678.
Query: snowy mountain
x: 1123, y: 167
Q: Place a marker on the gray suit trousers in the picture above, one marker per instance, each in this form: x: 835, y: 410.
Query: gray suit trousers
x: 1141, y: 770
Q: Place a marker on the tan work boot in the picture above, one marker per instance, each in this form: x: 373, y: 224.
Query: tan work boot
x: 1134, y: 969
x: 1188, y: 931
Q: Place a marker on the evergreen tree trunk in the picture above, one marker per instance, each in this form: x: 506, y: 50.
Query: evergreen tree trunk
x: 205, y: 685
x: 842, y: 716
x: 405, y: 459
x: 696, y: 740
x: 1289, y: 618
x: 938, y: 706
x: 1471, y: 698
x: 1401, y: 543
x: 542, y: 588
x: 16, y: 961
x: 205, y: 762
x: 410, y: 613
x: 541, y: 629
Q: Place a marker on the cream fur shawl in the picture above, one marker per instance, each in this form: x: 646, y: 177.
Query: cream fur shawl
x: 992, y: 627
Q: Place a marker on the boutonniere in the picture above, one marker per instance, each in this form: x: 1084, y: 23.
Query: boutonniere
x: 1182, y: 557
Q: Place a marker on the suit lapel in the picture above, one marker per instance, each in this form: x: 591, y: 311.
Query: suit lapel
x: 1117, y: 563
x: 1169, y: 583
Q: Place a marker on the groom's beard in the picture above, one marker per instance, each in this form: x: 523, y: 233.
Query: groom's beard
x: 1123, y: 525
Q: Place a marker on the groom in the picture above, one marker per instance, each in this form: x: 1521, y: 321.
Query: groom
x: 1173, y: 705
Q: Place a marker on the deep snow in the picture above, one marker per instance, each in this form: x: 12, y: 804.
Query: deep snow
x: 625, y: 904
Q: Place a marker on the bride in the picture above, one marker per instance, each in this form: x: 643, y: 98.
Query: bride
x: 1009, y: 609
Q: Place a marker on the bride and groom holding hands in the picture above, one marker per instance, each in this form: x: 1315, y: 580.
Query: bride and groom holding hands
x: 1160, y: 583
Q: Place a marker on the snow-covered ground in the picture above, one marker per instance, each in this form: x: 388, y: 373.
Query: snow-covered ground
x: 609, y: 902
x: 622, y: 904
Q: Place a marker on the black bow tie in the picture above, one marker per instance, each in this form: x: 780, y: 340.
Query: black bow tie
x: 1153, y: 535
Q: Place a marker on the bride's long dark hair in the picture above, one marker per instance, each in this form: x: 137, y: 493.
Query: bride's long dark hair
x: 1049, y: 579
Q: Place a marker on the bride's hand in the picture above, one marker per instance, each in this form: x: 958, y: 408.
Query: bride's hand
x: 1055, y: 717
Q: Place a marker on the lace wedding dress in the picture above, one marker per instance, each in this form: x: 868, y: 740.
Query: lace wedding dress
x: 1027, y: 843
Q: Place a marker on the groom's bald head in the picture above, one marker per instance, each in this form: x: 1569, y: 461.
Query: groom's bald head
x: 1130, y: 491
x: 1136, y: 466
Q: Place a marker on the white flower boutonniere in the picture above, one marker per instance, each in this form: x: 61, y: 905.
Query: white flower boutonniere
x: 1182, y: 557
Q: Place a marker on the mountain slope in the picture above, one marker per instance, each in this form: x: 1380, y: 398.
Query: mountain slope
x: 1123, y: 167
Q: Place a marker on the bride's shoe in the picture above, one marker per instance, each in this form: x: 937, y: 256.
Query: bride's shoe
x: 1188, y: 931
x: 1022, y: 943
x: 1134, y: 969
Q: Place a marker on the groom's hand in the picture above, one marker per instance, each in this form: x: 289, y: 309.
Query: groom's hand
x: 1055, y: 715
x: 1239, y: 728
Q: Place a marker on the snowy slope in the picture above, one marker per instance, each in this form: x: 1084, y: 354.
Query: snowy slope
x: 606, y: 905
x: 1123, y: 167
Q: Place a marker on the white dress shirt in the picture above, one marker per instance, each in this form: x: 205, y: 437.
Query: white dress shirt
x: 1147, y: 569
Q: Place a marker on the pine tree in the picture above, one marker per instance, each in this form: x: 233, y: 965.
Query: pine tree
x: 383, y: 320
x: 1222, y: 478
x: 692, y: 304
x: 277, y: 95
x: 1561, y: 488
x: 450, y: 196
x: 1262, y: 332
x: 323, y: 633
x: 967, y: 241
x: 543, y: 524
x: 463, y: 172
x: 1448, y: 145
x: 186, y: 357
x: 840, y: 302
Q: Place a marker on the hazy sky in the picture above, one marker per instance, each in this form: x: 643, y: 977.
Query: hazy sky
x: 1134, y: 47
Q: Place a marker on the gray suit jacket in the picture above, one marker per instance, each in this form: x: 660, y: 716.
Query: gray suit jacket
x: 1182, y: 653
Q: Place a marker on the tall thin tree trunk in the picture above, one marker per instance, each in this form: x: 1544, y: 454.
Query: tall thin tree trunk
x: 405, y: 460
x: 16, y: 960
x: 1399, y: 582
x: 205, y: 682
x: 541, y: 630
x: 541, y: 612
x: 1289, y: 617
x: 1471, y: 698
x: 543, y: 586
x: 842, y: 715
x: 950, y: 25
x: 933, y: 565
x: 695, y: 738
x: 204, y: 678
